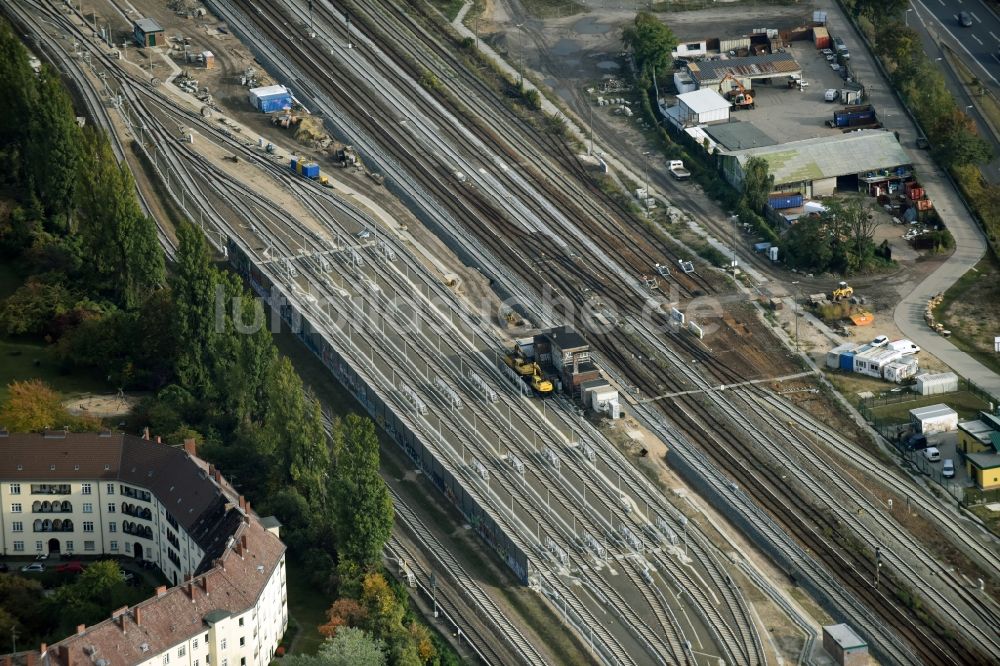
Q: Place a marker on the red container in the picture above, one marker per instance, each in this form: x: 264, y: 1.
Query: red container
x: 924, y: 204
x: 917, y: 193
x: 821, y: 37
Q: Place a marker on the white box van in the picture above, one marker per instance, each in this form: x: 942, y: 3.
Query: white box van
x: 831, y: 95
x: 948, y: 469
x: 932, y: 453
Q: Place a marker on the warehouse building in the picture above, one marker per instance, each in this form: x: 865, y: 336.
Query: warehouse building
x: 700, y: 107
x: 850, y: 162
x: 933, y: 418
x: 147, y: 32
x: 710, y: 73
x: 844, y: 645
x: 271, y: 98
x: 568, y: 354
x: 125, y: 496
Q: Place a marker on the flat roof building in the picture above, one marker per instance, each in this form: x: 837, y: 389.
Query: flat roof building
x: 739, y: 135
x: 823, y: 165
x: 147, y: 32
x: 984, y: 469
x: 934, y: 418
x: 844, y: 645
x: 701, y: 107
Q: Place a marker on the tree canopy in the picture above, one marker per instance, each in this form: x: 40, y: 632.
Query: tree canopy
x: 347, y: 647
x: 651, y: 42
x: 32, y: 406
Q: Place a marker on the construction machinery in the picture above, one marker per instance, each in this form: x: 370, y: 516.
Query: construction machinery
x: 842, y: 291
x: 516, y: 362
x: 737, y: 94
x: 539, y: 383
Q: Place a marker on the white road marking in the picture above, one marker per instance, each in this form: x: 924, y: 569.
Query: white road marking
x: 977, y: 39
x: 994, y: 36
x: 978, y: 20
x: 989, y: 75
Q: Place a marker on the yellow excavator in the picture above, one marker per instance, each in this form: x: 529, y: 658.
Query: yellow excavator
x: 842, y: 291
x: 540, y: 384
x: 740, y: 97
x: 516, y: 362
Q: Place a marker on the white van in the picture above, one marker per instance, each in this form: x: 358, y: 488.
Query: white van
x: 932, y: 453
x: 948, y: 469
x: 831, y: 95
x: 905, y: 346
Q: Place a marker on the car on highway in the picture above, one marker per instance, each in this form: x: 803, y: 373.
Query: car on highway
x: 34, y: 567
x: 965, y: 19
x: 948, y: 469
x: 932, y: 453
x: 880, y: 341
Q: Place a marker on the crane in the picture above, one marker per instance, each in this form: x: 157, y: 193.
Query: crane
x: 741, y: 97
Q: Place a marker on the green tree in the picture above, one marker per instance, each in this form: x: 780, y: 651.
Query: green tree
x: 956, y: 141
x: 883, y: 11
x: 363, y: 506
x: 348, y: 647
x: 193, y: 284
x: 32, y: 406
x: 120, y: 241
x: 16, y: 80
x: 651, y: 42
x: 53, y: 150
x: 757, y: 184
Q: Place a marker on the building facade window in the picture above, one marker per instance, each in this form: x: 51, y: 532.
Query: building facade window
x: 38, y: 546
x: 114, y: 546
x: 17, y: 526
x: 88, y: 545
x: 15, y: 489
x: 194, y: 643
x: 166, y: 658
x: 15, y: 508
x: 181, y: 651
x: 128, y: 546
x: 88, y: 507
x: 69, y: 546
x: 86, y: 489
x: 112, y: 507
x: 18, y: 546
x: 112, y: 527
x: 88, y: 526
x: 223, y: 644
x: 111, y: 489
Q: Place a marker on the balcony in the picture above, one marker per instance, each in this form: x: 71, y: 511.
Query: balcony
x: 50, y: 489
x: 57, y: 525
x: 142, y: 531
x: 142, y: 495
x: 136, y: 511
x: 51, y: 507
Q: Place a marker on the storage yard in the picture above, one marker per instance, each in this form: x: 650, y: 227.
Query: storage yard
x: 515, y: 412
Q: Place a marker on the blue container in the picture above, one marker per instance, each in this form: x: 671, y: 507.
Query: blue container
x: 275, y: 103
x: 291, y: 165
x: 847, y: 361
x: 785, y: 201
x: 310, y: 170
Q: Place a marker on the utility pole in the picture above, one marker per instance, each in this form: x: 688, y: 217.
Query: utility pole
x: 347, y: 19
x: 310, y: 18
x: 520, y: 54
x: 645, y: 178
x: 878, y: 564
x: 591, y: 151
x: 795, y: 314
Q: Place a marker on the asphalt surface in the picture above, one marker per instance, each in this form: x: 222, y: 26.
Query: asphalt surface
x: 934, y: 30
x: 979, y: 41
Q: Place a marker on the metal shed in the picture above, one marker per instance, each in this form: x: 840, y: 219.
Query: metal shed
x: 934, y: 418
x: 270, y: 98
x: 928, y: 384
x: 703, y: 106
x: 833, y: 356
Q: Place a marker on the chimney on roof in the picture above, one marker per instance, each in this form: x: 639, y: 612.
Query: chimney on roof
x: 191, y: 447
x: 159, y: 440
x: 137, y: 613
x: 239, y: 549
x: 243, y: 542
x: 80, y: 628
x: 145, y: 432
x: 42, y: 650
x: 218, y: 476
x: 119, y: 617
x: 243, y: 503
x: 204, y: 584
x: 247, y: 509
x: 161, y: 590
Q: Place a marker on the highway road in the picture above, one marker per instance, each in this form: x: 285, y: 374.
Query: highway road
x: 979, y: 42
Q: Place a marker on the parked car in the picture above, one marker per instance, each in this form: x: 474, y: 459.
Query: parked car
x: 965, y: 19
x: 948, y: 469
x: 34, y: 567
x: 41, y: 557
x: 147, y: 564
x: 917, y: 442
x: 4, y: 568
x: 880, y: 341
x: 70, y: 567
x: 932, y: 454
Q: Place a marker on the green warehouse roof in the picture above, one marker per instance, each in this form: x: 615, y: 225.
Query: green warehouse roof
x: 829, y: 156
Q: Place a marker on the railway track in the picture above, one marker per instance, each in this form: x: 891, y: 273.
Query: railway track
x: 352, y: 40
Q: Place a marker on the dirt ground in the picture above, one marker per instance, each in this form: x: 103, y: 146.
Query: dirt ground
x: 974, y: 326
x: 103, y: 406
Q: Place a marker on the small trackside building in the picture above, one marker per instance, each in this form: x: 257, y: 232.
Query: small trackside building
x: 270, y: 98
x: 984, y: 469
x: 700, y: 107
x: 844, y: 645
x: 928, y: 384
x: 977, y: 437
x: 147, y: 32
x: 934, y: 418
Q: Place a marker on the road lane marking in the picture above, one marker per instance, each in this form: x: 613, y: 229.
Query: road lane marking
x: 977, y: 39
x: 982, y: 66
x: 978, y: 20
x: 994, y: 36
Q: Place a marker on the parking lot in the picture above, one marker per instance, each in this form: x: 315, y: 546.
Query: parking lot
x: 946, y: 443
x: 803, y: 112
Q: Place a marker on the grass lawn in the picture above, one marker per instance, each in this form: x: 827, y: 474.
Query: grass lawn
x: 966, y: 404
x: 990, y: 518
x: 962, y: 311
x: 307, y: 607
x: 20, y: 360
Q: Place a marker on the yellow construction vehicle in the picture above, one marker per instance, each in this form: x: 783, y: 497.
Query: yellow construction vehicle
x: 738, y: 94
x: 540, y: 384
x: 842, y: 291
x: 516, y: 362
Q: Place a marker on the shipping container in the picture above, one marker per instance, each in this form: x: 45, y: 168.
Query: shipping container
x: 916, y: 193
x: 310, y: 170
x: 784, y: 200
x: 928, y: 384
x: 847, y: 361
x: 924, y: 204
x: 833, y: 356
x: 821, y: 37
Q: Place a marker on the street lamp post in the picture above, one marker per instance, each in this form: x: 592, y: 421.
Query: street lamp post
x: 645, y: 178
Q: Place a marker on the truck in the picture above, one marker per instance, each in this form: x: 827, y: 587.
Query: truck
x: 677, y: 170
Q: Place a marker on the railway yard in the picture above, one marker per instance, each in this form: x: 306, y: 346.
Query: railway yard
x: 528, y: 241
